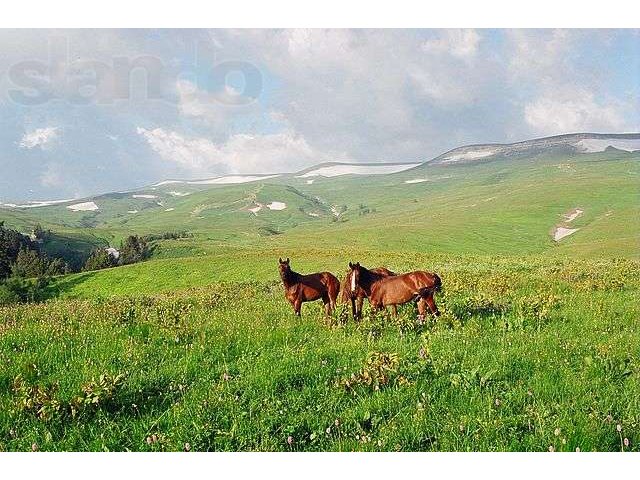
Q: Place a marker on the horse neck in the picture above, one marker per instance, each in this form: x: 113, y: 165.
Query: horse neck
x: 368, y: 278
x: 290, y: 278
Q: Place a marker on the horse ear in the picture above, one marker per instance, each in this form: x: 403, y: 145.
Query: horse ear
x: 280, y: 260
x: 350, y: 265
x: 358, y: 265
x: 287, y: 260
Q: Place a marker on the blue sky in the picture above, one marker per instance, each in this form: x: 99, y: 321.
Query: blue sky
x: 75, y: 121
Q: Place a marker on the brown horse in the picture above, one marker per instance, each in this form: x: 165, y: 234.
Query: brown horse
x: 399, y: 289
x: 307, y: 288
x: 358, y: 291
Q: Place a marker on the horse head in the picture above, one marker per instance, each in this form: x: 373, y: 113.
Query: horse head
x: 284, y: 266
x: 355, y: 275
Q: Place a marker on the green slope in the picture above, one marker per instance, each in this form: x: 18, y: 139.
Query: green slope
x: 499, y: 207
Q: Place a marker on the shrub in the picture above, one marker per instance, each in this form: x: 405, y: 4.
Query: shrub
x: 97, y: 393
x: 17, y: 289
x: 11, y: 243
x: 38, y: 400
x: 133, y: 249
x: 7, y: 295
x: 167, y: 236
x: 379, y: 370
x: 98, y: 260
x: 29, y: 264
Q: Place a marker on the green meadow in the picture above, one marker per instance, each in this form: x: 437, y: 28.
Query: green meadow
x: 537, y: 348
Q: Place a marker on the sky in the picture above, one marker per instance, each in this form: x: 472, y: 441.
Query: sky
x: 91, y: 111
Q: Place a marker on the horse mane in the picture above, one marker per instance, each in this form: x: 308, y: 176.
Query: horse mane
x: 369, y: 275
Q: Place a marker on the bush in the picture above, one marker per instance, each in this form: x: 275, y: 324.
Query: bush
x: 167, y: 236
x: 98, y: 260
x: 57, y: 266
x: 17, y: 289
x: 39, y: 233
x: 134, y: 249
x: 11, y: 243
x: 7, y: 295
x: 29, y: 264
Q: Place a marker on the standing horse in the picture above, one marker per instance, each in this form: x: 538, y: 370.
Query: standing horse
x: 307, y: 288
x: 399, y: 289
x: 358, y: 291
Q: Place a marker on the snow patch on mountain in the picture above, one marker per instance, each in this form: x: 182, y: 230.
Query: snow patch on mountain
x: 469, y: 155
x: 354, y: 169
x: 276, y: 206
x: 83, y: 207
x: 560, y: 232
x: 417, y: 180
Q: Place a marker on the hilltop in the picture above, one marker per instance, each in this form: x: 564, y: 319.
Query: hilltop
x: 571, y: 194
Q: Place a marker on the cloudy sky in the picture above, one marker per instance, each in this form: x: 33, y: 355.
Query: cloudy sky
x: 86, y: 111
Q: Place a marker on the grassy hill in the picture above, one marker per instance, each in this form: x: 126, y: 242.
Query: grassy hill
x: 537, y: 347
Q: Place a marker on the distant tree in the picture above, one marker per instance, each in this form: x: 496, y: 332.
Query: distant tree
x: 58, y: 266
x: 11, y: 242
x: 98, y: 260
x: 29, y: 264
x: 39, y: 233
x: 18, y: 289
x: 133, y: 249
x: 8, y: 295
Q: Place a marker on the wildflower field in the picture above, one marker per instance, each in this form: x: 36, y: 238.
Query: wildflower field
x: 530, y: 353
x: 537, y: 347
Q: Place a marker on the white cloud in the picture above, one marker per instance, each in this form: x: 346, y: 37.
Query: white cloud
x: 40, y: 137
x: 540, y: 55
x: 573, y: 111
x: 322, y: 47
x: 214, y: 109
x: 241, y: 153
x: 375, y: 94
x: 559, y: 94
x: 461, y: 43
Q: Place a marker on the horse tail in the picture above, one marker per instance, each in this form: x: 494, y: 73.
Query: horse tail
x: 333, y: 288
x: 345, y: 292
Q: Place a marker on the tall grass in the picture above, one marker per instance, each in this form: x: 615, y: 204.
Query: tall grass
x: 527, y: 355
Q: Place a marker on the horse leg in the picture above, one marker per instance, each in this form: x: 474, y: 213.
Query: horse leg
x: 432, y: 305
x: 354, y: 312
x: 297, y: 305
x: 422, y: 309
x: 326, y: 299
x: 394, y: 310
x: 359, y: 306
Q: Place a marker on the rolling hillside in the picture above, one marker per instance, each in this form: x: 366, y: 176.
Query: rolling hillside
x: 509, y: 202
x: 197, y: 349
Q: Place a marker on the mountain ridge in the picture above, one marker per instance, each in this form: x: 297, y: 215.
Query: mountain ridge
x: 460, y: 155
x: 569, y: 141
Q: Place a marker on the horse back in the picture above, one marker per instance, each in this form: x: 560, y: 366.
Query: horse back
x: 385, y: 272
x: 401, y: 287
x: 317, y: 285
x: 331, y: 282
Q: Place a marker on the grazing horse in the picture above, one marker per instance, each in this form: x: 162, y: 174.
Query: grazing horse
x: 358, y: 291
x: 307, y: 288
x: 399, y: 289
